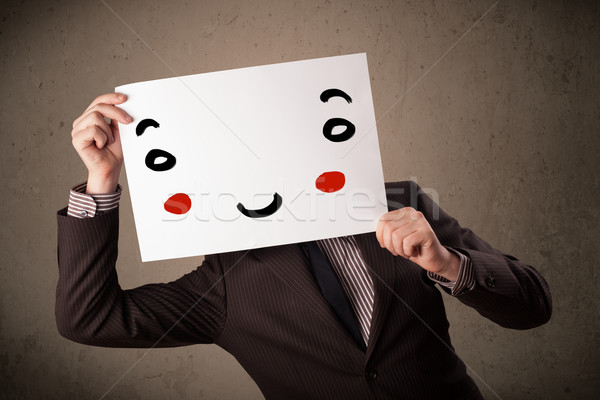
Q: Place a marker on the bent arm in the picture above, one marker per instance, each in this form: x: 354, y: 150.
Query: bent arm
x: 91, y: 307
x: 506, y: 291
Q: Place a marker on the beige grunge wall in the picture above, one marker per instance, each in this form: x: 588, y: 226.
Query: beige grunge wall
x: 498, y: 114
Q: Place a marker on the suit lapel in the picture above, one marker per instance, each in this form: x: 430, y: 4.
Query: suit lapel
x: 380, y: 263
x: 290, y: 265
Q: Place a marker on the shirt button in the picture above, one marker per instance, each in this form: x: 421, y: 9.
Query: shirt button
x: 84, y: 213
x: 371, y: 375
x: 490, y: 281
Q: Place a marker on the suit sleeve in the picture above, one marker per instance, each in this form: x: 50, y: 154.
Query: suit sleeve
x: 91, y: 307
x: 506, y: 291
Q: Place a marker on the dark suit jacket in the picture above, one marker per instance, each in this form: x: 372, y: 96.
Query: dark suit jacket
x: 264, y: 307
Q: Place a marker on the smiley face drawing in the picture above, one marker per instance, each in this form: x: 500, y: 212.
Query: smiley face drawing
x: 180, y: 203
x: 253, y: 157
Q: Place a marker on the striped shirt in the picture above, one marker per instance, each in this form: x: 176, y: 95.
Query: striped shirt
x: 343, y: 254
x: 82, y: 205
x: 349, y: 265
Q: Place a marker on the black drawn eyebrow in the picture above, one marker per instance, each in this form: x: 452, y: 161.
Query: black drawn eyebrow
x: 141, y: 127
x: 329, y: 93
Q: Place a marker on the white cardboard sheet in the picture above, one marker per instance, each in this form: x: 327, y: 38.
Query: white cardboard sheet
x: 201, y: 146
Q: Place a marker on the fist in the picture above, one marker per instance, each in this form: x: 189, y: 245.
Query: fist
x: 406, y: 232
x: 98, y: 142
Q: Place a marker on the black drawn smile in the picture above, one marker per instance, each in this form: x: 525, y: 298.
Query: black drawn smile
x: 263, y: 212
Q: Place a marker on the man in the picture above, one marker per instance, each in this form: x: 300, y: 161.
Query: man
x: 345, y: 318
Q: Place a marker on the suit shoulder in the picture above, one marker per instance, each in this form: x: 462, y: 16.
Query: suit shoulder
x: 398, y: 194
x: 398, y: 185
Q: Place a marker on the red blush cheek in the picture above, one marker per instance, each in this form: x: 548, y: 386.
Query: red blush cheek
x: 179, y: 203
x: 330, y: 182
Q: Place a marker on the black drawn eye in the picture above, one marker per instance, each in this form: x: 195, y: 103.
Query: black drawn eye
x: 159, y: 160
x: 145, y: 123
x: 335, y: 122
x: 338, y: 137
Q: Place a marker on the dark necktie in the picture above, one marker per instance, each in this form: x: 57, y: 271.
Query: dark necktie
x: 332, y: 290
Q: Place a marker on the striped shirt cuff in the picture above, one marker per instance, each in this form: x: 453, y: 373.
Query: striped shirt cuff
x: 466, y: 276
x: 83, y: 205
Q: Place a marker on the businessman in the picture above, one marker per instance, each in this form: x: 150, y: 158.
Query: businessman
x: 354, y: 317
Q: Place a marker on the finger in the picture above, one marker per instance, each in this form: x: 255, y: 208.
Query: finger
x: 384, y: 220
x: 383, y: 232
x: 108, y: 98
x: 415, y: 215
x: 387, y: 227
x: 379, y: 232
x: 116, y: 144
x: 90, y: 136
x: 399, y: 238
x: 115, y: 130
x: 112, y: 112
x: 94, y: 118
x: 405, y: 214
x: 106, y: 111
x: 411, y: 245
x: 410, y: 213
x: 396, y: 243
x: 388, y: 237
x: 392, y: 215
